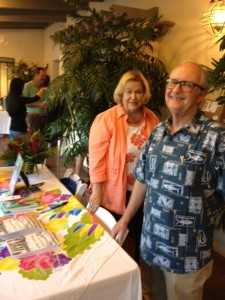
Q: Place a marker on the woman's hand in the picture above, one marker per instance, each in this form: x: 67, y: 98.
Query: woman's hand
x: 95, y: 198
x: 41, y: 92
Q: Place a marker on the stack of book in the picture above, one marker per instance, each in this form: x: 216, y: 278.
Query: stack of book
x: 11, y: 207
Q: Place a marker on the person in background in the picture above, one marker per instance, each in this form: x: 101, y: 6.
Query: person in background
x: 16, y: 107
x: 116, y: 138
x: 181, y: 177
x: 36, y: 112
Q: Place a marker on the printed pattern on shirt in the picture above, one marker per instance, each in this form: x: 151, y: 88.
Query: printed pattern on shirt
x: 185, y: 177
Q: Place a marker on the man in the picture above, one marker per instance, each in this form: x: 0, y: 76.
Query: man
x: 180, y: 174
x: 36, y: 112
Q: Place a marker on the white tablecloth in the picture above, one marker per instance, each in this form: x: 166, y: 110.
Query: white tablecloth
x: 4, y: 122
x: 104, y: 271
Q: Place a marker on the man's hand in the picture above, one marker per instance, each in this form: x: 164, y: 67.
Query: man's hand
x: 120, y: 231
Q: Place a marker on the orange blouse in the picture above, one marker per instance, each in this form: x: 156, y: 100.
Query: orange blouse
x: 107, y: 153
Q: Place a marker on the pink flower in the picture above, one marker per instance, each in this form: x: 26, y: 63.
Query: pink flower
x: 49, y: 197
x: 41, y: 261
x: 28, y: 263
x: 45, y: 261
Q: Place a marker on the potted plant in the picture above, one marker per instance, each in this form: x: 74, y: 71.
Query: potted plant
x: 33, y: 147
x: 97, y: 50
x: 217, y: 74
x: 217, y: 83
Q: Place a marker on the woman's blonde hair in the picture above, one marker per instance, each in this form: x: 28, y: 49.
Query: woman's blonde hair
x: 131, y: 75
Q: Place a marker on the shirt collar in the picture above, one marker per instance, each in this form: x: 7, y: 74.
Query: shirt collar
x: 122, y: 113
x: 192, y: 127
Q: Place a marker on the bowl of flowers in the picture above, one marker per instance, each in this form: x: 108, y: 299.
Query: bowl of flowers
x: 33, y: 147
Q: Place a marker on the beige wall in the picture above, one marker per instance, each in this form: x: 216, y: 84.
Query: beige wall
x: 22, y: 44
x: 32, y: 46
x: 52, y: 52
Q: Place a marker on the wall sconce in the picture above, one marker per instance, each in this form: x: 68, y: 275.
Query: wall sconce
x: 215, y: 17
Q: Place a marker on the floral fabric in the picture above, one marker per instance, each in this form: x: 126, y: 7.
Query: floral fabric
x: 135, y: 141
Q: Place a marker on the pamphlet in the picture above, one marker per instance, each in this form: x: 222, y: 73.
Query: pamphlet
x: 29, y: 244
x: 25, y: 235
x: 20, y: 224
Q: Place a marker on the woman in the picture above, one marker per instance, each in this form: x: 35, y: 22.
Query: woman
x: 116, y: 138
x: 16, y: 107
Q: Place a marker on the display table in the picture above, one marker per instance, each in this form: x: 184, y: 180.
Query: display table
x: 4, y: 122
x: 104, y: 271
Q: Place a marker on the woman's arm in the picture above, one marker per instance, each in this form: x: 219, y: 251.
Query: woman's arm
x: 28, y: 100
x: 36, y: 98
x: 99, y: 140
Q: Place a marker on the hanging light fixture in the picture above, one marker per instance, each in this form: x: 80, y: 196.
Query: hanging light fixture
x: 215, y: 17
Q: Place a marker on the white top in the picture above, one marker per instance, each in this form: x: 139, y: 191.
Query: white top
x: 135, y: 141
x: 5, y: 121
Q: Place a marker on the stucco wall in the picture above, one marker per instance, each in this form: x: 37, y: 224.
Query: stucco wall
x: 52, y: 51
x: 22, y: 44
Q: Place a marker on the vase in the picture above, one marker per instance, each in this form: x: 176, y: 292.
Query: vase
x: 29, y: 167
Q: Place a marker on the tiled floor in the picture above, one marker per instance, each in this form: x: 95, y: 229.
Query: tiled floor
x: 215, y: 286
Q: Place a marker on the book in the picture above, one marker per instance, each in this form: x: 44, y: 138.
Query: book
x: 19, y: 206
x: 25, y: 235
x: 19, y: 224
x: 24, y: 245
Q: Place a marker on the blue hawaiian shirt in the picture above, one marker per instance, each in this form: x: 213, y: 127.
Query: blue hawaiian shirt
x: 185, y: 177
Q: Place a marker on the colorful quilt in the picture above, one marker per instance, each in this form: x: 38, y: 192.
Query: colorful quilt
x: 36, y: 244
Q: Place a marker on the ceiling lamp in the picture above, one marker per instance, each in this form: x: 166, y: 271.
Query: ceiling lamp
x: 215, y: 17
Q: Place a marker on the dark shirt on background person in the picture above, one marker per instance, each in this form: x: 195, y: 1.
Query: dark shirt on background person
x: 16, y: 107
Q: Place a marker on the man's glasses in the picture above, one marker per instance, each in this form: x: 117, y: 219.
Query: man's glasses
x: 186, y: 86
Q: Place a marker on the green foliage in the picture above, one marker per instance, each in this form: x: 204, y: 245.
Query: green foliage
x: 97, y: 50
x: 217, y: 74
x: 37, y: 274
x: 23, y: 70
x: 217, y: 83
x: 78, y: 4
x: 80, y: 237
